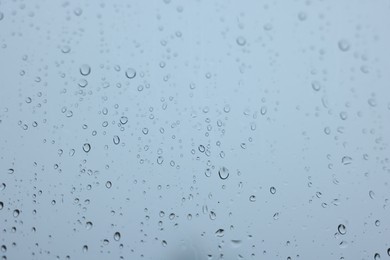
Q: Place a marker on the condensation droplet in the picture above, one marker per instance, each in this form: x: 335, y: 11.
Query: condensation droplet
x: 86, y: 147
x: 223, y: 173
x: 342, y: 229
x: 85, y: 70
x: 344, y: 45
x: 130, y: 73
x: 117, y: 236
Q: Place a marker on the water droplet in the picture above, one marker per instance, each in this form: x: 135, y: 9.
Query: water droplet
x: 160, y: 159
x: 116, y: 139
x: 201, y: 148
x: 117, y: 236
x: 108, y: 184
x: 252, y: 198
x: 207, y: 172
x: 302, y: 16
x: 164, y: 243
x: 344, y: 45
x: 85, y: 69
x: 377, y: 256
x: 86, y: 147
x: 88, y: 225
x: 220, y: 232
x: 346, y: 160
x: 123, y: 120
x: 272, y: 190
x: 241, y: 41
x: 85, y: 249
x: 16, y: 213
x: 388, y: 251
x: 371, y: 194
x: 1, y: 205
x: 223, y: 173
x: 377, y: 223
x: 316, y: 85
x: 212, y: 215
x: 65, y: 49
x: 11, y: 171
x: 145, y: 131
x: 342, y: 230
x: 78, y: 11
x: 83, y: 83
x: 130, y: 73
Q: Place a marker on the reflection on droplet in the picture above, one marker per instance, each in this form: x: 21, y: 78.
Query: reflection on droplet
x: 223, y: 173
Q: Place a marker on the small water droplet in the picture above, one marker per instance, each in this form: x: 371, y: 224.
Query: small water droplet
x: 85, y: 69
x: 123, y: 120
x: 11, y: 171
x: 272, y: 190
x: 164, y: 243
x: 117, y: 236
x: 342, y: 229
x: 85, y: 249
x: 223, y: 173
x: 371, y: 194
x: 344, y: 45
x: 16, y: 213
x: 86, y: 147
x: 316, y: 85
x: 108, y: 184
x: 241, y: 41
x: 116, y: 139
x: 252, y: 198
x: 377, y: 256
x: 130, y: 73
x: 88, y: 225
x: 220, y: 232
x: 346, y: 160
